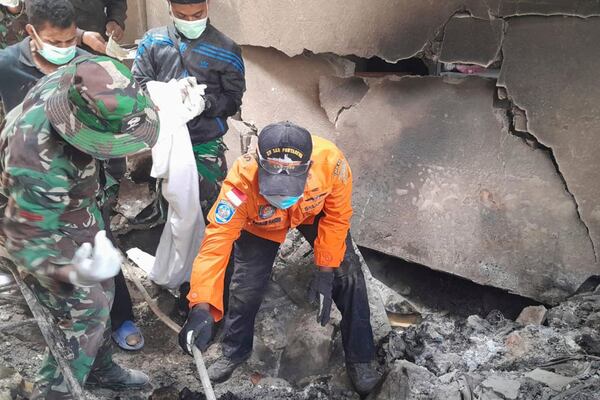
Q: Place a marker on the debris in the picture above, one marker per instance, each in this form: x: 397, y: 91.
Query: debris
x: 407, y: 381
x: 133, y: 198
x: 552, y: 380
x: 508, y: 388
x: 403, y: 320
x: 54, y: 338
x: 309, y: 351
x: 532, y: 315
x: 590, y: 342
x: 17, y: 324
x: 157, y: 311
x: 142, y: 259
x: 208, y: 390
x: 139, y: 166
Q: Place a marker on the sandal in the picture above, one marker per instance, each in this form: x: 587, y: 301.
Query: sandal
x: 128, y: 336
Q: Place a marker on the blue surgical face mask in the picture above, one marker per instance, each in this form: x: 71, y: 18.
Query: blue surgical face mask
x: 282, y: 202
x: 190, y: 29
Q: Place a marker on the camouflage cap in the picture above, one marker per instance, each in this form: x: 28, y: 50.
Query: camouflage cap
x: 98, y: 108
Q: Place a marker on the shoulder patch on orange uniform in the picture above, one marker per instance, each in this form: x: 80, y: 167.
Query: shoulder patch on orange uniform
x: 341, y: 170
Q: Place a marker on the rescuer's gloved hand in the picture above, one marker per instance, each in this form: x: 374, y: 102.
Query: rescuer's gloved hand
x: 198, y: 330
x: 97, y: 264
x: 320, y: 292
x: 192, y: 95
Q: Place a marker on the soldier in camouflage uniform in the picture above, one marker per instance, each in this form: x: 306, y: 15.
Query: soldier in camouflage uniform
x: 12, y: 23
x: 88, y: 111
x: 12, y: 30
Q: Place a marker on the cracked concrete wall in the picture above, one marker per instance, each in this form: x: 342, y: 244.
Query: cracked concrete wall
x: 136, y: 23
x: 499, y: 191
x: 560, y: 99
x: 459, y: 45
x: 447, y: 186
x: 390, y: 29
x: 283, y: 88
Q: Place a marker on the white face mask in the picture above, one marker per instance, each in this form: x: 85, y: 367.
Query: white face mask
x: 190, y: 29
x: 56, y: 55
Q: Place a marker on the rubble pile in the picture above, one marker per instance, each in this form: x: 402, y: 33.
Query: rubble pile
x: 541, y: 354
x: 493, y: 357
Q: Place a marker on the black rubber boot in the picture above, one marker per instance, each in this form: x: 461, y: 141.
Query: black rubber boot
x: 118, y: 378
x: 222, y: 369
x: 363, y: 376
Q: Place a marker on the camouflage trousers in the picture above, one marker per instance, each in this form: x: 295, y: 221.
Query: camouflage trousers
x: 84, y: 317
x: 212, y: 170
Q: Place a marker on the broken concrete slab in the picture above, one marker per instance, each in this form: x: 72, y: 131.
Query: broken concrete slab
x: 553, y: 381
x: 560, y: 115
x: 451, y: 189
x: 472, y: 41
x: 532, y: 315
x: 507, y: 388
x: 133, y: 198
x: 308, y: 351
x: 282, y: 88
x: 338, y: 94
x: 293, y: 271
x: 139, y: 166
x: 339, y: 26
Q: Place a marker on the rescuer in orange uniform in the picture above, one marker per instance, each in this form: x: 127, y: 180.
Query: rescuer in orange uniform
x: 295, y: 181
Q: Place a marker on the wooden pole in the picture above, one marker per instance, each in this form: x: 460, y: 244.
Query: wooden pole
x: 52, y: 335
x: 200, y: 366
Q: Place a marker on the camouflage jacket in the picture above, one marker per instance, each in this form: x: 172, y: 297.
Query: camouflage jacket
x: 12, y: 27
x: 51, y: 188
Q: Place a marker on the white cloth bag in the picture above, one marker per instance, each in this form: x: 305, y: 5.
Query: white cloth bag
x: 173, y: 162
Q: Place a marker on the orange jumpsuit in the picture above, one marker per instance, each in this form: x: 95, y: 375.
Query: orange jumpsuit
x: 328, y: 190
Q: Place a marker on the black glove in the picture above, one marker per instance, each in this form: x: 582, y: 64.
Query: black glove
x: 320, y: 293
x: 198, y: 330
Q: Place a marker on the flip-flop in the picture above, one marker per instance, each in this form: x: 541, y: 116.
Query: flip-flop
x: 127, y: 329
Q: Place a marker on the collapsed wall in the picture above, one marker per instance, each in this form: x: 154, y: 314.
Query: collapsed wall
x: 490, y: 179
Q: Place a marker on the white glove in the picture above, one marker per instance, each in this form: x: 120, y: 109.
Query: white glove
x: 10, y: 3
x: 192, y: 95
x: 96, y: 265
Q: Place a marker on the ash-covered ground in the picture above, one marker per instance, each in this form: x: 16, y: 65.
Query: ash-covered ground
x: 438, y: 337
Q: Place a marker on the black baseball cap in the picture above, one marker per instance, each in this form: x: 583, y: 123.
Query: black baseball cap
x: 284, y: 151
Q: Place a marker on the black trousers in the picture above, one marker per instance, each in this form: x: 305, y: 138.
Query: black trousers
x: 253, y: 259
x: 122, y: 309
